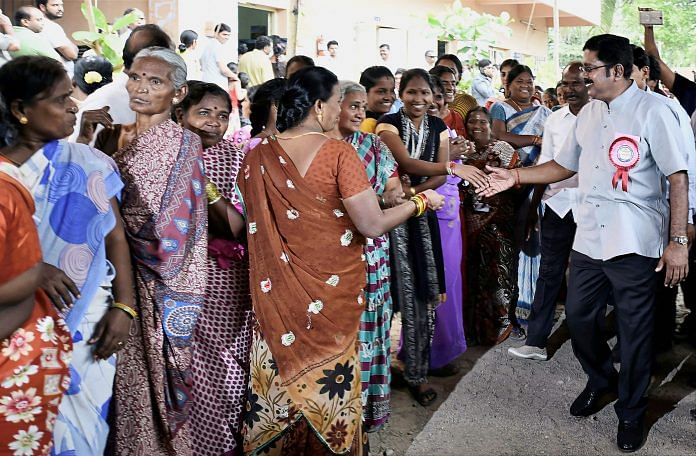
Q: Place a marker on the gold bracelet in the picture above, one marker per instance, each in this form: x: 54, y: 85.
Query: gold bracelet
x: 412, y: 190
x: 212, y: 192
x: 421, y: 206
x: 127, y: 309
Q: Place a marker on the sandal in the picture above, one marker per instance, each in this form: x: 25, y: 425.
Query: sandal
x: 424, y: 398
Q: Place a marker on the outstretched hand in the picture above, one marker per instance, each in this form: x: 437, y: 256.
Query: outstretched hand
x: 499, y: 180
x: 472, y: 175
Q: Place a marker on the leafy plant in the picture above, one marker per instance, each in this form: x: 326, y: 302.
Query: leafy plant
x: 103, y: 37
x: 474, y: 32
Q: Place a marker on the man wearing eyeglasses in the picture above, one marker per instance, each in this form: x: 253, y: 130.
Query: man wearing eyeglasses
x: 557, y: 224
x: 430, y: 58
x: 624, y: 152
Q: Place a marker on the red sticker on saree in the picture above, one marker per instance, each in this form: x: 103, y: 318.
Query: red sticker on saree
x: 624, y: 155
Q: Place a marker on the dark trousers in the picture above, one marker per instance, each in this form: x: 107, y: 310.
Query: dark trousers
x: 631, y: 279
x: 666, y: 306
x: 557, y: 236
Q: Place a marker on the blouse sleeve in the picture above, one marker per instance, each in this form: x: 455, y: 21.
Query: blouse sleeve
x: 498, y: 112
x: 351, y: 178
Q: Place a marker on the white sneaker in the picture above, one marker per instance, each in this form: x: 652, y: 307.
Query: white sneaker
x: 528, y: 352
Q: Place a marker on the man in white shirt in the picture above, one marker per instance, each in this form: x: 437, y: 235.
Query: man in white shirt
x: 331, y: 61
x: 114, y: 95
x: 558, y: 225
x: 53, y: 10
x: 622, y: 150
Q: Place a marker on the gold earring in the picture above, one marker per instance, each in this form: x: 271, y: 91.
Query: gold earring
x: 320, y: 117
x: 23, y: 120
x: 175, y: 100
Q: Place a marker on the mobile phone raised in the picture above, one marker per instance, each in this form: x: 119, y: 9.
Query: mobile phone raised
x: 649, y: 16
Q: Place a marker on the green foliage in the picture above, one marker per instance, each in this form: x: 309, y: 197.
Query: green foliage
x: 102, y: 37
x: 474, y: 32
x: 675, y: 38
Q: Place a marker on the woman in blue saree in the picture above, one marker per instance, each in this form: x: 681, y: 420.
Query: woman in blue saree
x: 520, y: 122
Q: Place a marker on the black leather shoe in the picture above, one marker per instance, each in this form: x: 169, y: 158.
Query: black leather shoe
x: 630, y: 436
x: 590, y: 402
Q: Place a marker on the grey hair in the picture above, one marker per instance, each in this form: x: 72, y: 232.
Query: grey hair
x: 171, y: 58
x: 348, y: 87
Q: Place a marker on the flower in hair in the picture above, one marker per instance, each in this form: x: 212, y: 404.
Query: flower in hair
x: 93, y: 77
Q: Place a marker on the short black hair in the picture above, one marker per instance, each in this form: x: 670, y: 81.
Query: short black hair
x: 262, y: 41
x: 244, y: 79
x: 612, y: 50
x: 509, y: 63
x: 88, y: 64
x: 399, y: 71
x: 222, y: 27
x: 454, y: 59
x: 331, y: 43
x: 414, y: 73
x: 41, y: 2
x: 385, y: 45
x: 483, y: 63
x: 23, y: 12
x: 439, y: 70
x: 640, y: 57
x: 551, y: 91
x: 267, y: 94
x: 157, y: 37
x: 304, y: 89
x: 370, y: 76
x: 436, y: 84
x: 655, y: 71
x: 301, y: 59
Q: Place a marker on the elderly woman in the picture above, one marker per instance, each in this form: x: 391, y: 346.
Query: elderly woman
x: 308, y: 297
x: 223, y: 331
x: 87, y: 271
x: 31, y: 383
x: 165, y: 215
x: 375, y: 321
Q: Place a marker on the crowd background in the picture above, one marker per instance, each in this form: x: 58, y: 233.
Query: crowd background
x: 226, y: 244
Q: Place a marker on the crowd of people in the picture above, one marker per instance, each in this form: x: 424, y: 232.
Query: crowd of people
x: 205, y: 257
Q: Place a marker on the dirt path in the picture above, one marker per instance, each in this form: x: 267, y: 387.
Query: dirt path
x: 503, y: 406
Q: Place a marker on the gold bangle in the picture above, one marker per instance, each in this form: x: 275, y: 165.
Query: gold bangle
x: 412, y: 190
x: 421, y: 206
x: 212, y: 192
x: 127, y: 309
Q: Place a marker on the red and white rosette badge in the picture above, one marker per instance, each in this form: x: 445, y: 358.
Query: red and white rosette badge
x: 624, y: 155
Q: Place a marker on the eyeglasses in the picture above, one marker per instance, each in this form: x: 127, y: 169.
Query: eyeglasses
x: 590, y: 69
x: 430, y: 56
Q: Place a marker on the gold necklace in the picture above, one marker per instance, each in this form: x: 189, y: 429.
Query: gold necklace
x: 519, y: 108
x: 301, y: 135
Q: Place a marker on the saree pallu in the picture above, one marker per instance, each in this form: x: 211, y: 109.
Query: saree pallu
x: 529, y: 121
x: 165, y: 216
x: 35, y: 357
x: 375, y: 322
x: 418, y: 276
x: 72, y: 185
x: 448, y: 337
x: 307, y: 297
x: 223, y: 333
x: 492, y: 258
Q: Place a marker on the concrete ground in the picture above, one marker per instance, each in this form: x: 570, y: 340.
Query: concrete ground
x: 498, y: 405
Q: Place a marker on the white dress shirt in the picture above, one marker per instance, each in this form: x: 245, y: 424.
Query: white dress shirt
x: 115, y: 96
x: 561, y: 196
x: 689, y: 146
x: 55, y: 35
x: 612, y: 222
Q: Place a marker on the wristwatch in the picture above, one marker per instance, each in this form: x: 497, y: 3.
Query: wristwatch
x: 681, y: 240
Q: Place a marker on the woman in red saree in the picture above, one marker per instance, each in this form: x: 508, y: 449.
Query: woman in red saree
x: 35, y: 344
x: 308, y: 205
x: 165, y: 215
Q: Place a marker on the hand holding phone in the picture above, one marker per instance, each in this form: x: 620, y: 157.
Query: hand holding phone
x: 650, y: 17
